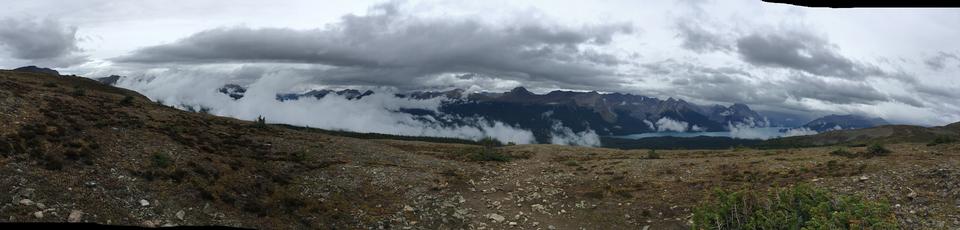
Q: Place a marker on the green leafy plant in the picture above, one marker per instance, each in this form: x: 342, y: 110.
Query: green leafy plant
x: 161, y: 160
x: 799, y: 207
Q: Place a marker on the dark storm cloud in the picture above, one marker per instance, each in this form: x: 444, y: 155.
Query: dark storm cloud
x: 836, y: 91
x: 46, y: 42
x: 939, y: 61
x: 388, y: 46
x: 698, y: 39
x: 724, y: 84
x: 729, y: 84
x: 800, y: 51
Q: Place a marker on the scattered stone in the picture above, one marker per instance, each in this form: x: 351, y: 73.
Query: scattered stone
x: 149, y: 224
x: 536, y: 224
x: 90, y: 184
x: 497, y: 218
x: 75, y: 216
x: 38, y: 214
x: 864, y: 178
x: 645, y: 227
x: 407, y: 208
x: 26, y: 202
x: 144, y: 203
x: 41, y: 206
x: 912, y: 194
x: 551, y: 227
x: 512, y: 223
x: 27, y: 192
x: 181, y: 214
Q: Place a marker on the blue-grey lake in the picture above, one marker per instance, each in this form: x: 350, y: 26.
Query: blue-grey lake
x: 743, y: 133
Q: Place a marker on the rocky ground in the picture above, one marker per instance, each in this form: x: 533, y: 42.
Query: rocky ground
x: 72, y: 150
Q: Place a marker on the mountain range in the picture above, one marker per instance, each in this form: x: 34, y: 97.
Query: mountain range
x: 606, y: 114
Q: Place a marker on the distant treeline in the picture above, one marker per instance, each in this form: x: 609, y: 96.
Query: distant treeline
x: 381, y: 136
x: 700, y: 142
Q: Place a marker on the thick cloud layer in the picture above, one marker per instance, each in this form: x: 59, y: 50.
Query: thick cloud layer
x: 941, y: 60
x: 772, y: 57
x: 800, y: 51
x: 378, y: 113
x: 45, y: 42
x: 388, y: 46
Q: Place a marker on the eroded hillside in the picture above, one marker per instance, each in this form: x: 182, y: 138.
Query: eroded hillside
x: 75, y: 150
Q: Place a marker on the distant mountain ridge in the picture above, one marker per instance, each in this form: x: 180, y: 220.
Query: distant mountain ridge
x: 607, y: 114
x: 35, y: 69
x: 839, y: 122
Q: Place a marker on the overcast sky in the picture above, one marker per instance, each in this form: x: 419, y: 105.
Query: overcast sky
x: 899, y: 64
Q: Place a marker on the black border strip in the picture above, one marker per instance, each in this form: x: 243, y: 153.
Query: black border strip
x: 870, y: 3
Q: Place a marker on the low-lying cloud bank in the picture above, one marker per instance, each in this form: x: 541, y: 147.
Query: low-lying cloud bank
x: 377, y: 113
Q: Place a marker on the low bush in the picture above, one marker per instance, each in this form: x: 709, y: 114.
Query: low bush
x: 941, y: 140
x: 161, y: 160
x: 490, y: 142
x: 843, y: 152
x: 261, y: 122
x: 877, y: 150
x: 489, y: 154
x: 79, y: 92
x: 127, y: 101
x: 652, y: 154
x: 800, y: 207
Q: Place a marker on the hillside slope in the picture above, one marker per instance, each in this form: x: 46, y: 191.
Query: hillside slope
x: 72, y: 149
x: 880, y: 134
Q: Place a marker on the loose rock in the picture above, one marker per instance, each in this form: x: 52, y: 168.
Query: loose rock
x: 497, y: 218
x: 75, y: 216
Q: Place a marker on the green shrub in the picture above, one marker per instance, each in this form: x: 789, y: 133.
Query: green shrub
x: 300, y: 156
x: 127, y: 100
x: 490, y: 142
x: 488, y: 154
x: 161, y: 160
x: 800, y: 207
x: 79, y: 92
x: 877, y: 150
x: 652, y: 154
x: 261, y: 122
x: 941, y: 140
x: 843, y: 152
x: 488, y: 151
